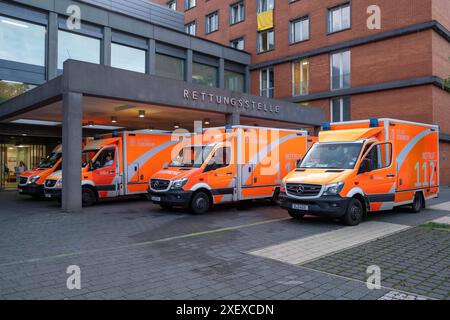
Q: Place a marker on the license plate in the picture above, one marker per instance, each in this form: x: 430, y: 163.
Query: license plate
x: 302, y: 207
x: 48, y: 195
x: 158, y: 199
x: 20, y: 190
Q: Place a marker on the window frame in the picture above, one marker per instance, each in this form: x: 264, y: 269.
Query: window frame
x: 236, y: 39
x: 238, y: 3
x: 341, y: 108
x: 258, y: 47
x: 259, y: 8
x: 186, y: 2
x: 291, y: 29
x: 193, y: 22
x: 207, y: 21
x: 380, y: 145
x: 301, y: 75
x: 268, y: 89
x: 169, y: 3
x: 330, y: 10
x: 341, y: 70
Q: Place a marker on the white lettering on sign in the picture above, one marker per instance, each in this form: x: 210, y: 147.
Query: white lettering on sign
x: 240, y: 103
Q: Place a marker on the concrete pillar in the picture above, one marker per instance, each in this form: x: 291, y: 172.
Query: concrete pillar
x: 71, y: 141
x: 189, y: 61
x: 247, y: 88
x: 233, y: 119
x: 221, y: 73
x: 151, y: 57
x: 52, y: 49
x: 106, y: 46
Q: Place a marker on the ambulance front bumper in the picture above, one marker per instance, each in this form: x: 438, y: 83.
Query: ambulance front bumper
x: 31, y: 189
x: 176, y: 198
x: 326, y: 206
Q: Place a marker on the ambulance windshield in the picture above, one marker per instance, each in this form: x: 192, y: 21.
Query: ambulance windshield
x: 192, y: 156
x: 332, y: 156
x: 50, y: 161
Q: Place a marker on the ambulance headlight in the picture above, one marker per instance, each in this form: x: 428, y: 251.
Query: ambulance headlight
x: 333, y: 189
x: 178, y: 184
x: 33, y: 179
x: 59, y: 183
x: 283, y: 186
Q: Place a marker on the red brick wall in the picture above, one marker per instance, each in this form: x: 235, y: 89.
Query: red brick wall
x: 444, y: 152
x: 440, y: 12
x: 441, y: 56
x: 441, y: 109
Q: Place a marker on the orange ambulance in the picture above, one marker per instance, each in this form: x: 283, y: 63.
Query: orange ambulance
x: 365, y: 166
x: 117, y: 165
x: 31, y: 182
x: 227, y: 165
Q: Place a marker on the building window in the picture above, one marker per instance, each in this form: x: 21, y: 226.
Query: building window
x: 237, y: 12
x: 188, y: 4
x: 300, y: 78
x: 265, y: 5
x: 212, y: 22
x: 266, y: 41
x: 234, y: 81
x: 11, y: 89
x: 172, y: 5
x: 299, y: 30
x: 170, y: 67
x: 127, y: 58
x: 340, y: 109
x: 191, y: 28
x: 77, y: 47
x: 266, y: 83
x: 238, y: 43
x: 22, y: 41
x: 339, y: 18
x: 204, y: 74
x: 340, y: 70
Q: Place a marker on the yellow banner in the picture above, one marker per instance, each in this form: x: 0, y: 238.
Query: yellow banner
x: 265, y: 20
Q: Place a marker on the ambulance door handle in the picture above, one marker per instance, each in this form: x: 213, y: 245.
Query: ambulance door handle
x: 111, y: 171
x: 229, y: 173
x: 391, y: 175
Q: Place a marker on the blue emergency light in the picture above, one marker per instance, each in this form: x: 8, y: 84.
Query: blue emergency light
x: 326, y: 126
x: 374, y: 123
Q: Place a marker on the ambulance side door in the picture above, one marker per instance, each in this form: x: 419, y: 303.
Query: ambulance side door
x: 377, y: 176
x: 221, y: 175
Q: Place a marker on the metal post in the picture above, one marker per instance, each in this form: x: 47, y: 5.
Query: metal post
x: 52, y: 46
x: 106, y: 46
x: 221, y: 73
x: 189, y: 61
x: 151, y: 57
x: 233, y: 119
x: 72, y: 136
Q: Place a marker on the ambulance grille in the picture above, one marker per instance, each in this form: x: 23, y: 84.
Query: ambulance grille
x: 23, y: 180
x: 159, y: 184
x: 303, y: 190
x: 50, y: 183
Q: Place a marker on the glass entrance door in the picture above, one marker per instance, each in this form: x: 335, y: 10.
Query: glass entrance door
x: 18, y: 158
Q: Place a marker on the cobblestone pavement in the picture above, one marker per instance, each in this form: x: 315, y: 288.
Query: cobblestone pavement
x: 134, y: 250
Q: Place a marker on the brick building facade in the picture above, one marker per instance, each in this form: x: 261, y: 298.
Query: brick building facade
x: 324, y: 54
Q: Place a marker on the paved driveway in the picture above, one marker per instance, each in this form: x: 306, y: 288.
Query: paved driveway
x: 132, y: 249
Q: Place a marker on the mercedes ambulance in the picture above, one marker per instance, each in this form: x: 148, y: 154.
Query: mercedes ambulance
x: 31, y: 182
x: 228, y: 165
x: 365, y: 166
x: 117, y: 165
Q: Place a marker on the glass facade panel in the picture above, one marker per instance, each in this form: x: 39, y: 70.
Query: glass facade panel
x: 267, y: 83
x: 127, y: 58
x: 170, y: 67
x: 237, y: 12
x: 77, y: 47
x: 340, y: 70
x: 266, y: 41
x: 212, y: 22
x: 339, y: 18
x: 22, y: 41
x: 238, y: 43
x: 204, y: 74
x: 340, y: 109
x: 299, y: 30
x: 234, y: 81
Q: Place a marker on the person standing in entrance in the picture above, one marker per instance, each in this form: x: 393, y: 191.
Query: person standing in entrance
x: 21, y: 168
x: 6, y: 172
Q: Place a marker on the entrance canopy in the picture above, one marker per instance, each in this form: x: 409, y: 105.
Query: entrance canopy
x: 90, y: 96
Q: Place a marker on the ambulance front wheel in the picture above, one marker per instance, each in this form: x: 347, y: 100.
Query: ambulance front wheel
x: 88, y: 197
x: 200, y: 203
x: 354, y: 214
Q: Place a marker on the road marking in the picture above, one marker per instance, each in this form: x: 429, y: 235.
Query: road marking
x: 311, y: 248
x: 146, y: 243
x: 395, y: 295
x: 441, y: 206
